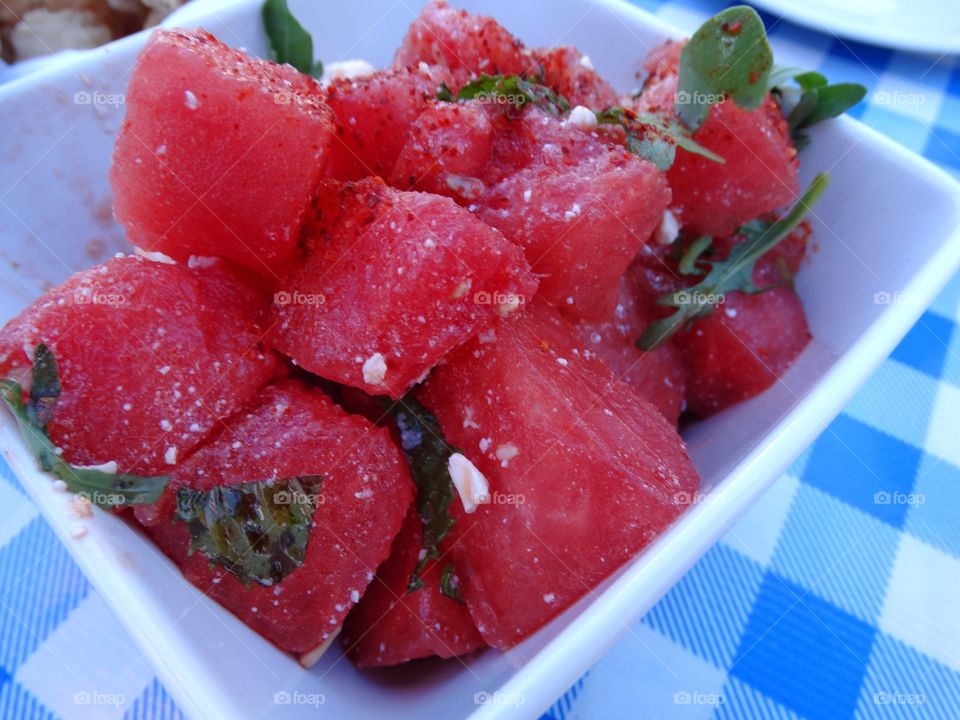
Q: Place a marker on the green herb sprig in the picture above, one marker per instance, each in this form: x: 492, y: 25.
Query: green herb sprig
x: 107, y: 490
x: 735, y: 273
x: 819, y: 100
x: 652, y: 137
x: 289, y: 42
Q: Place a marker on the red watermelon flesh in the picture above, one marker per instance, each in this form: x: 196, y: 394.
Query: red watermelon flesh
x: 583, y: 471
x: 374, y: 116
x: 219, y: 152
x: 405, y: 277
x: 151, y: 356
x: 447, y: 150
x: 760, y: 172
x: 658, y: 375
x: 391, y: 625
x: 742, y: 348
x: 570, y: 73
x: 464, y: 45
x: 287, y: 431
x: 581, y: 210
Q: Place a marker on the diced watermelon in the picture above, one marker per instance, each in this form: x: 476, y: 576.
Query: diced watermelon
x: 659, y: 375
x: 207, y: 129
x: 373, y: 118
x: 288, y: 431
x: 397, y: 279
x: 742, y: 348
x: 391, y: 625
x: 464, y: 45
x: 760, y: 169
x: 583, y: 471
x: 570, y: 73
x: 581, y: 210
x: 151, y: 357
x: 447, y: 150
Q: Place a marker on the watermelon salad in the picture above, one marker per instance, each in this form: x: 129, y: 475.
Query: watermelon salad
x: 401, y: 355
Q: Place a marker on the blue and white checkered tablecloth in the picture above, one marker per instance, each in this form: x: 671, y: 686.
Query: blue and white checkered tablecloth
x: 837, y: 595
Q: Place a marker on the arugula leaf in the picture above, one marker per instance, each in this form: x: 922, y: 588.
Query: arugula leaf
x: 103, y: 489
x: 653, y: 137
x: 289, y: 42
x: 257, y: 531
x: 729, y: 56
x: 513, y: 90
x: 735, y: 273
x: 428, y: 453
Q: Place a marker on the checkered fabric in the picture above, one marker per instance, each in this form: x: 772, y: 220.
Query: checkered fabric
x: 837, y: 595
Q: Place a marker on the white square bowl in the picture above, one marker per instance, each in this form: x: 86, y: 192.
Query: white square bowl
x: 887, y: 231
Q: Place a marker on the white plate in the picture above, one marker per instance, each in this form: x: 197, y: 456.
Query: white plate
x: 888, y: 224
x: 929, y: 26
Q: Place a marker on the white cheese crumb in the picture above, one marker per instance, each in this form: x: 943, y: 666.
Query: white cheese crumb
x: 429, y: 243
x: 669, y: 228
x: 549, y: 598
x: 509, y: 305
x: 730, y: 312
x: 59, y: 486
x: 485, y: 444
x: 355, y: 596
x: 164, y: 370
x: 506, y: 452
x: 471, y: 485
x: 527, y: 194
x: 190, y: 100
x: 461, y: 289
x: 155, y: 256
x: 583, y: 118
x: 374, y: 369
x: 170, y: 456
x: 562, y: 362
x: 201, y: 261
x: 586, y: 63
x: 128, y: 406
x: 110, y: 467
x: 346, y: 70
x: 573, y: 212
x: 166, y: 425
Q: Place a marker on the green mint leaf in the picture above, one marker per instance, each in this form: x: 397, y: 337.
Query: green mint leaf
x: 513, y: 90
x: 289, y: 42
x: 104, y: 489
x: 729, y: 56
x: 428, y: 454
x: 448, y: 584
x: 729, y: 275
x: 653, y: 137
x: 257, y: 531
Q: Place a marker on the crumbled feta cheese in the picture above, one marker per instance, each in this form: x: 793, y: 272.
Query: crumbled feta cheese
x: 355, y: 596
x: 730, y: 312
x: 549, y: 598
x: 109, y: 468
x: 190, y: 100
x: 155, y: 256
x: 374, y: 369
x: 506, y: 452
x: 471, y: 485
x: 586, y: 63
x: 509, y: 305
x: 170, y: 456
x: 346, y: 70
x: 527, y: 194
x: 669, y: 228
x: 461, y: 289
x: 59, y: 486
x: 583, y: 118
x: 485, y: 444
x: 166, y: 425
x: 201, y: 261
x: 562, y: 362
x: 573, y: 212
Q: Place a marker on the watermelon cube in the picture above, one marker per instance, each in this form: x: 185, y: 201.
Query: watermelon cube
x: 290, y: 431
x: 373, y: 118
x: 391, y: 283
x: 742, y: 348
x: 583, y: 472
x: 464, y: 45
x: 580, y: 209
x: 391, y: 625
x: 659, y: 375
x: 569, y: 72
x: 151, y: 355
x: 759, y: 174
x: 219, y: 152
